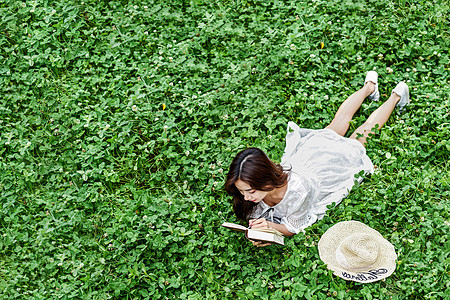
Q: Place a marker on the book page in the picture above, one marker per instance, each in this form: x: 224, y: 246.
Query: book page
x: 268, y: 230
x: 270, y: 237
x: 234, y: 226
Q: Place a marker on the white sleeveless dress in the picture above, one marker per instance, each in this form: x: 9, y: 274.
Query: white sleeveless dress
x: 323, y: 166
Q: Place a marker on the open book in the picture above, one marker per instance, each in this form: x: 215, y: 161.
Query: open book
x: 267, y: 235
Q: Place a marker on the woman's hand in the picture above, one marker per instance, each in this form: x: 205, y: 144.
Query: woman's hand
x: 259, y: 223
x: 260, y: 244
x: 263, y: 223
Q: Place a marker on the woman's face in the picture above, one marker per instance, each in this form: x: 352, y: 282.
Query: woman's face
x: 249, y: 193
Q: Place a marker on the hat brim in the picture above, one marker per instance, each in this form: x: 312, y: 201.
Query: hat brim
x: 383, y: 267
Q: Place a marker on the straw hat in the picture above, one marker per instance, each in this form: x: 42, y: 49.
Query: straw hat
x: 356, y: 252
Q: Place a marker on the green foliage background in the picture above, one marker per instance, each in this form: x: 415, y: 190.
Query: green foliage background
x: 119, y: 120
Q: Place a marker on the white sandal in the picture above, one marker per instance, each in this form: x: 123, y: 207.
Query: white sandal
x: 372, y: 76
x: 403, y: 91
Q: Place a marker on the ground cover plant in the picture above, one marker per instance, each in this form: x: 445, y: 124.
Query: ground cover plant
x: 119, y: 119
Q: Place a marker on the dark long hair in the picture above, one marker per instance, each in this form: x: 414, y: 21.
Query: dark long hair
x: 254, y: 168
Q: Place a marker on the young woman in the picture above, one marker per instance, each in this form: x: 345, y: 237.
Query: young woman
x: 317, y: 169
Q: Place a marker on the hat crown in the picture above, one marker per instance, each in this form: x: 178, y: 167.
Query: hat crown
x: 357, y: 251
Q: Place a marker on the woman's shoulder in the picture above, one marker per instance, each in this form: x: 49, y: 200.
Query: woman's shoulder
x: 296, y: 184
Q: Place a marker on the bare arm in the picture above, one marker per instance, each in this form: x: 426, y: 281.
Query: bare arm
x: 263, y: 223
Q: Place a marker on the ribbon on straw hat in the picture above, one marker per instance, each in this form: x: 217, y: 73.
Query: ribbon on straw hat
x: 356, y: 252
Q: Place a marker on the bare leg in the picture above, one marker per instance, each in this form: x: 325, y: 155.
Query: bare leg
x: 378, y: 117
x: 348, y: 108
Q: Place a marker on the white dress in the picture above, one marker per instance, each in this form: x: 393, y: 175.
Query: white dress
x: 323, y: 166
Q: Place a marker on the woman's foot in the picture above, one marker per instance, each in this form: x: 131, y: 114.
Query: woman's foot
x: 402, y: 91
x: 372, y: 76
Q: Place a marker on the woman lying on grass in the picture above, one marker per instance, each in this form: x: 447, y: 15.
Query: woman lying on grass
x: 318, y: 167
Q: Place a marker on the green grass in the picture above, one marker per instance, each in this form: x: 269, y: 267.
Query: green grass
x: 118, y: 121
